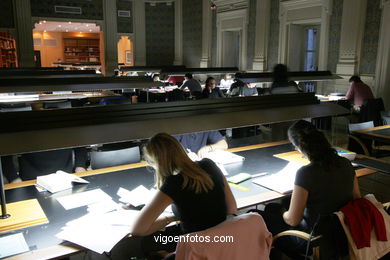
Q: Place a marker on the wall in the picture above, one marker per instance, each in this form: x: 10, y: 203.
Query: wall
x: 251, y: 33
x: 160, y: 34
x: 192, y: 33
x: 371, y: 38
x: 334, y: 35
x: 125, y: 24
x: 6, y: 14
x: 92, y: 10
x: 273, y: 43
x: 49, y: 54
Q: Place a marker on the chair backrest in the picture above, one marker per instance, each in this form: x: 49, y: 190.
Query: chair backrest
x: 103, y: 159
x: 242, y: 237
x: 360, y: 126
x: 385, y: 117
x: 16, y: 109
x: 370, y: 110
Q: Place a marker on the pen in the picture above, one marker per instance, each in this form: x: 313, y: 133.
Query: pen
x: 238, y: 186
x: 259, y: 174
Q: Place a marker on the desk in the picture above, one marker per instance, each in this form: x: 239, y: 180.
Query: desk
x: 379, y: 133
x: 42, y: 240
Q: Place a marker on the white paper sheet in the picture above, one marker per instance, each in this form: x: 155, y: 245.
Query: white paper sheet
x: 282, y: 181
x: 99, y: 232
x: 83, y: 198
x: 12, y: 245
x: 136, y: 197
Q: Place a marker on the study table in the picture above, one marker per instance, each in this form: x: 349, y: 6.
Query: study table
x: 42, y: 241
x: 378, y: 133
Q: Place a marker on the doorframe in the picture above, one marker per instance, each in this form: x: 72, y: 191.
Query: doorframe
x: 235, y: 20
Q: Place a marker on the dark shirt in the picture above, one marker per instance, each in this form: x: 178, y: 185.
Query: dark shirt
x: 329, y: 189
x: 215, y: 93
x: 198, y: 211
x: 36, y: 164
x: 195, y: 141
x: 193, y: 86
x: 284, y: 87
x: 246, y: 91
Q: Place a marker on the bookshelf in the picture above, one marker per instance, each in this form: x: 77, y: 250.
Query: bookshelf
x: 81, y: 50
x: 7, y: 51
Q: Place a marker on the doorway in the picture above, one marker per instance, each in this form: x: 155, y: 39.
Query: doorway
x: 231, y: 46
x: 37, y: 59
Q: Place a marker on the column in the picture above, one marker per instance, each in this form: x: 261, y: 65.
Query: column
x: 382, y: 72
x: 263, y: 10
x: 178, y: 34
x: 139, y: 33
x: 206, y: 34
x: 24, y: 38
x: 110, y: 37
x: 352, y: 30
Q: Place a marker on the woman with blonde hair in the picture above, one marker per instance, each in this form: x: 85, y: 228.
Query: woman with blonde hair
x: 198, y: 190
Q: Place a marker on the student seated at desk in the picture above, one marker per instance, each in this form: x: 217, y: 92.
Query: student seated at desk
x: 202, y: 143
x: 36, y: 164
x: 211, y: 90
x: 321, y: 187
x: 192, y: 85
x: 198, y: 190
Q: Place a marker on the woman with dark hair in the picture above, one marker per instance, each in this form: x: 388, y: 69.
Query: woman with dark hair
x: 198, y: 190
x: 281, y: 84
x: 211, y: 90
x: 322, y: 187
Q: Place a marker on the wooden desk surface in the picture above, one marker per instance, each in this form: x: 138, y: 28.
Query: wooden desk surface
x: 379, y: 133
x: 258, y: 158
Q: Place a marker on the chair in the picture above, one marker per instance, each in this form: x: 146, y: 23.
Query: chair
x: 370, y: 111
x: 357, y: 145
x: 251, y: 240
x: 115, y: 100
x: 326, y: 241
x: 104, y: 159
x: 15, y: 107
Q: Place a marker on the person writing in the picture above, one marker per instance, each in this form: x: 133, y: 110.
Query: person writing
x: 198, y: 190
x: 202, y: 143
x: 358, y: 92
x: 192, y: 85
x: 311, y: 197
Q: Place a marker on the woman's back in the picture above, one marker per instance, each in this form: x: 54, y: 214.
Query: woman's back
x: 198, y: 211
x: 329, y: 188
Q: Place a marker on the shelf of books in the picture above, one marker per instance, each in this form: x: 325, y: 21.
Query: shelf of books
x: 81, y: 50
x: 7, y: 51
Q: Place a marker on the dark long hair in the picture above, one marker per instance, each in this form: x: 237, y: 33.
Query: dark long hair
x: 312, y: 143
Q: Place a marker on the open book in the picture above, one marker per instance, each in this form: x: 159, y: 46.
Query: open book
x: 282, y: 181
x: 58, y: 181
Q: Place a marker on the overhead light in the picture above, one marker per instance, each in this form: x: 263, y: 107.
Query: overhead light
x: 66, y: 30
x: 44, y: 31
x: 44, y: 21
x: 90, y: 30
x: 69, y: 22
x: 87, y: 25
x: 40, y: 22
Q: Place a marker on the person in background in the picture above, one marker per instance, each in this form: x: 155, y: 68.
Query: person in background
x: 198, y: 190
x: 202, y: 143
x: 248, y: 90
x: 311, y: 197
x: 281, y: 84
x: 226, y: 81
x: 32, y: 165
x: 358, y: 92
x: 156, y: 78
x: 192, y: 85
x: 242, y: 89
x: 211, y: 90
x: 175, y: 80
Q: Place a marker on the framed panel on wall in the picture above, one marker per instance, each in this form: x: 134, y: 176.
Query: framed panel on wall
x: 129, y: 57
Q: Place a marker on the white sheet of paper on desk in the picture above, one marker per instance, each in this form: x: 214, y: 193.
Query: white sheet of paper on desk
x: 12, y: 245
x: 59, y: 181
x: 103, y: 206
x: 224, y: 157
x: 99, y: 232
x: 136, y: 197
x: 83, y: 199
x: 282, y: 181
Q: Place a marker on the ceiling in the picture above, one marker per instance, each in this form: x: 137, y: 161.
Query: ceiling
x: 50, y: 26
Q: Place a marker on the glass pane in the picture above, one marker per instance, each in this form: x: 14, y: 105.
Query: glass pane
x: 311, y: 39
x: 310, y: 61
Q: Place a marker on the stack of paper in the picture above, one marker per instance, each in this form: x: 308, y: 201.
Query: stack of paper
x: 282, y: 181
x: 224, y: 157
x: 58, y: 181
